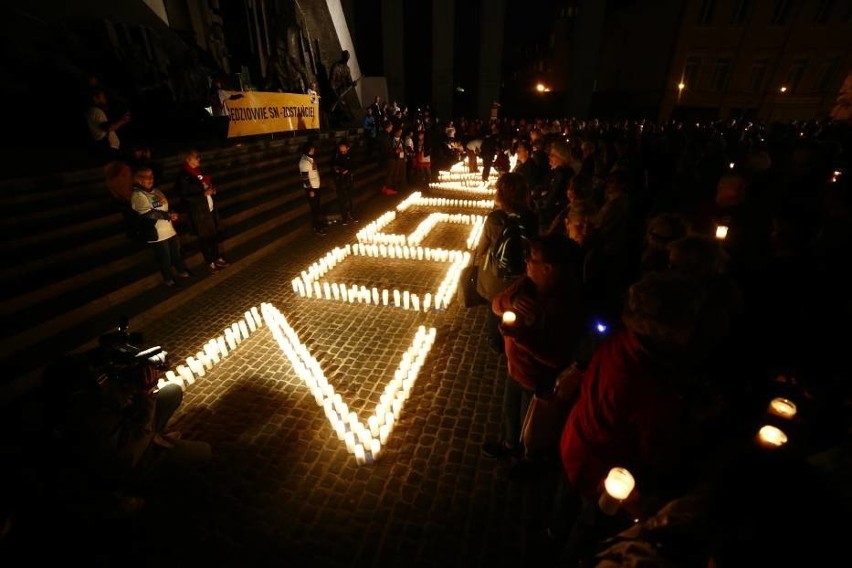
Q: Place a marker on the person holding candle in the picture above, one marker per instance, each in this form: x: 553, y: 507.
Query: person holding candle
x: 541, y: 337
x: 631, y: 405
x: 511, y: 203
x: 196, y: 191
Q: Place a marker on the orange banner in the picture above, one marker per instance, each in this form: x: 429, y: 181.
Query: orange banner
x: 266, y: 113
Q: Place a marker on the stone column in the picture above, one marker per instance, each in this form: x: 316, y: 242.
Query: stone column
x: 393, y: 49
x: 443, y: 33
x: 492, y: 15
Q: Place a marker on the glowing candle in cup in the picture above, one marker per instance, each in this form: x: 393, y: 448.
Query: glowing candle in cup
x: 771, y: 437
x: 721, y: 232
x: 782, y: 408
x: 618, y: 485
x: 509, y: 317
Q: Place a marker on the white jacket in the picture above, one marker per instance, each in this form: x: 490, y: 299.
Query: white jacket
x: 310, y: 174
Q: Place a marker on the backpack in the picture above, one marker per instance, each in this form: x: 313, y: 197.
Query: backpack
x: 505, y: 258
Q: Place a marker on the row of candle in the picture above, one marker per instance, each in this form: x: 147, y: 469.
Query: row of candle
x: 213, y: 351
x: 372, y: 233
x: 426, y: 226
x: 465, y: 186
x: 367, y: 234
x: 308, y: 286
x: 770, y: 436
x: 339, y: 254
x: 447, y: 202
x: 363, y: 441
x: 362, y: 295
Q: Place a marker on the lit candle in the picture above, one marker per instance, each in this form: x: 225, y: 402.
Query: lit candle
x: 618, y: 485
x: 186, y: 374
x: 250, y: 320
x: 509, y: 317
x: 783, y: 408
x: 360, y: 458
x: 256, y: 313
x: 373, y: 422
x: 721, y: 232
x: 349, y: 438
x: 385, y: 295
x: 771, y: 437
x: 375, y: 448
x: 384, y: 432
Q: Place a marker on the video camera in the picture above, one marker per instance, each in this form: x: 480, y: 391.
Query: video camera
x: 122, y: 356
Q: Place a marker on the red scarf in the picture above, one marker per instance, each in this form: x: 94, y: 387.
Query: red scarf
x: 196, y: 173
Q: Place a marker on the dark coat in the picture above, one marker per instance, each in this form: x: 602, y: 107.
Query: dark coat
x: 194, y: 203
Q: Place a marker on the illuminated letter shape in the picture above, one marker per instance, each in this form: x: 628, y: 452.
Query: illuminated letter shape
x: 441, y: 296
x: 363, y: 438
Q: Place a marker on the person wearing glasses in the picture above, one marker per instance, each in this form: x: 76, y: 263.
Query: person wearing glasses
x: 540, y: 338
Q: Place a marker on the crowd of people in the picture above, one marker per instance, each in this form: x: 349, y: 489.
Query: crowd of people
x: 668, y: 281
x: 652, y: 286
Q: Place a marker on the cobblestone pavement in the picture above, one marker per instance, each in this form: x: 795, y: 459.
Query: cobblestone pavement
x: 282, y: 490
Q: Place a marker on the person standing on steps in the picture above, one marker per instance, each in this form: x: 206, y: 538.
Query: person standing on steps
x: 311, y: 185
x: 344, y: 182
x: 196, y: 192
x: 153, y: 206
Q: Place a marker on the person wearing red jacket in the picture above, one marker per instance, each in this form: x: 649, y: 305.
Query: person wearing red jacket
x: 548, y: 306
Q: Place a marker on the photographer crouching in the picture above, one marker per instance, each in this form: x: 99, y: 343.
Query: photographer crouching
x: 109, y: 424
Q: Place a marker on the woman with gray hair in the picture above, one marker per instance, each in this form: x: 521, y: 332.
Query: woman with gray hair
x: 553, y: 196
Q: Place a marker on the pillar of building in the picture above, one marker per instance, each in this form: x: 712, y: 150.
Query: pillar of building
x: 588, y: 31
x: 443, y: 32
x: 492, y: 16
x: 393, y: 48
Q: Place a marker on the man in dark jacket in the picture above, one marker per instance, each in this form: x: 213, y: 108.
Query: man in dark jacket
x: 344, y: 181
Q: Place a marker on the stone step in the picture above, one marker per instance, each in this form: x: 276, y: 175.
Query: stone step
x: 81, y: 275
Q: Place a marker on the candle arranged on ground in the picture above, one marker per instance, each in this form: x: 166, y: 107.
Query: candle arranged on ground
x: 721, y: 232
x: 771, y: 437
x: 509, y: 317
x: 782, y: 408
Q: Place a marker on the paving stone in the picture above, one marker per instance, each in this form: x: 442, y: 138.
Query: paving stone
x: 281, y: 484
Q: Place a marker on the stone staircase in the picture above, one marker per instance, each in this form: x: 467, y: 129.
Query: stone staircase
x: 70, y: 271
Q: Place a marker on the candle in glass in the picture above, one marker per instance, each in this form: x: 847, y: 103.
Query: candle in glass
x: 782, y: 408
x: 618, y: 485
x: 771, y: 437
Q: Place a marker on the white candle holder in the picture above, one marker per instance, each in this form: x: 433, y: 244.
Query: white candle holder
x: 618, y: 485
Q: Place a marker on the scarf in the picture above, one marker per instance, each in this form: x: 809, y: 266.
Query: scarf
x: 196, y: 173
